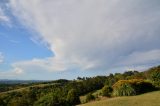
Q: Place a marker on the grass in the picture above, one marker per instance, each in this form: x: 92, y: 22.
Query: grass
x: 148, y: 99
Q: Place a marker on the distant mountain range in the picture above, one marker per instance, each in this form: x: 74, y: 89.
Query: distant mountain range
x: 8, y: 81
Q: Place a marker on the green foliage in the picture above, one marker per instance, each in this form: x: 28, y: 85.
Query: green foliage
x: 2, y: 102
x: 124, y: 90
x: 47, y: 100
x: 143, y: 87
x: 148, y: 74
x: 65, y: 92
x: 110, y: 80
x: 89, y: 97
x: 19, y: 101
x: 156, y: 78
x: 131, y: 87
x: 52, y: 99
x: 73, y: 97
x: 106, y: 91
x: 87, y: 85
x: 57, y: 92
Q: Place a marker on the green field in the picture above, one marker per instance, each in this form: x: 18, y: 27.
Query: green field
x: 148, y: 99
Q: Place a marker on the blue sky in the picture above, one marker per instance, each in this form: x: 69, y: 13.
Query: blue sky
x: 17, y: 43
x: 66, y: 39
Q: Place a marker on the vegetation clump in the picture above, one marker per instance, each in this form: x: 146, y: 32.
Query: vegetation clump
x: 107, y: 91
x: 155, y: 77
x: 89, y: 97
x: 72, y: 97
x: 124, y: 90
x: 132, y: 87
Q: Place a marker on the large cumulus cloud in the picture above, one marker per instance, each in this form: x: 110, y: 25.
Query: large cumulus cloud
x: 93, y: 34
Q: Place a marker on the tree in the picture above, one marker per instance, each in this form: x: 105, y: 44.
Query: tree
x: 79, y: 78
x: 56, y: 98
x: 73, y: 97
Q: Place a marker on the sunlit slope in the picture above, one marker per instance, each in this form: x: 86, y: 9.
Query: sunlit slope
x: 148, y: 99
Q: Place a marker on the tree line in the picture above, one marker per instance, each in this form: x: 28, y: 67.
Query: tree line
x: 66, y: 92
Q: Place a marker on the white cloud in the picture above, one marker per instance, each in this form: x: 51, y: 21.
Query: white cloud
x: 3, y: 16
x: 47, y: 64
x: 11, y: 73
x: 92, y: 34
x: 1, y: 58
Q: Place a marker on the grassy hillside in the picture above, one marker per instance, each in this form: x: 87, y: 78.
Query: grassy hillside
x: 148, y: 99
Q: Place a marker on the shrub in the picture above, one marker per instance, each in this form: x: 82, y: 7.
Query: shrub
x: 55, y: 98
x: 143, y: 87
x: 155, y: 77
x: 131, y: 87
x: 124, y: 90
x: 106, y: 91
x: 89, y: 97
x: 73, y: 97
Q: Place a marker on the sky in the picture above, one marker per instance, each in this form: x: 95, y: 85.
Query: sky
x: 55, y: 39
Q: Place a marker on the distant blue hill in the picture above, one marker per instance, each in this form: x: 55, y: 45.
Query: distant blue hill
x: 7, y: 81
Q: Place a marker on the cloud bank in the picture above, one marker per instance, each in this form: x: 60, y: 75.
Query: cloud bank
x: 92, y: 34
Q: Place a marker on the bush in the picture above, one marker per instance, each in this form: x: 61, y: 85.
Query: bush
x: 124, y: 90
x: 106, y: 91
x: 155, y: 77
x: 131, y: 87
x: 55, y: 98
x: 143, y: 87
x: 73, y: 97
x: 89, y: 97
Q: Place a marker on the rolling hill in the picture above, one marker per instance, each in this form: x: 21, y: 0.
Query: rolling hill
x: 148, y: 99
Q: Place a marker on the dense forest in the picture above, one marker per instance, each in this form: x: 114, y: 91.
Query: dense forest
x: 64, y: 92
